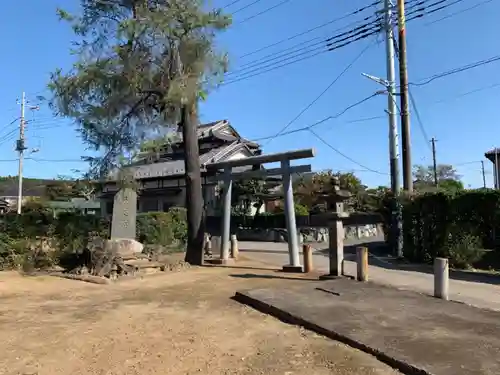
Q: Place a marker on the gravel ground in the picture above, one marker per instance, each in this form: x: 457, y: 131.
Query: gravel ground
x: 177, y: 323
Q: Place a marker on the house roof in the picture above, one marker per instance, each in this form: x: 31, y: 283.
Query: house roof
x: 219, y: 129
x: 10, y: 189
x: 490, y: 155
x: 76, y: 203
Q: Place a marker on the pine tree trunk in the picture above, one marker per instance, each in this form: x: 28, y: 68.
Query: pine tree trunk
x: 194, y: 194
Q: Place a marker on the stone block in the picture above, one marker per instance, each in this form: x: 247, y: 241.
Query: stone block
x: 123, y: 223
x: 126, y: 248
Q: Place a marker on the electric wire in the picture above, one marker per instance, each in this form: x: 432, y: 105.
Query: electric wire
x: 323, y: 42
x: 305, y: 55
x: 257, y: 72
x: 454, y: 71
x: 425, y: 11
x: 262, y: 12
x: 414, y: 105
x: 313, y: 125
x: 459, y: 12
x: 333, y: 82
x: 489, y: 87
x: 419, y: 119
x: 344, y: 155
x: 231, y: 3
x: 246, y: 6
x: 310, y: 30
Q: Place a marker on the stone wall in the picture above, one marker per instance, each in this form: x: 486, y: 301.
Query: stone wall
x: 319, y: 235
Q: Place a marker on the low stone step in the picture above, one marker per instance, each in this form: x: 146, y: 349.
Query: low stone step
x: 142, y: 263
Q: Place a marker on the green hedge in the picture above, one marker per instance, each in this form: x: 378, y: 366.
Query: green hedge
x: 458, y: 226
x: 162, y: 228
x: 21, y: 236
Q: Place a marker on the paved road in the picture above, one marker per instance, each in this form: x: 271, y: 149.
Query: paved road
x: 481, y: 294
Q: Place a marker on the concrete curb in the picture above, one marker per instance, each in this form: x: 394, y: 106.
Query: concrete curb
x: 404, y: 367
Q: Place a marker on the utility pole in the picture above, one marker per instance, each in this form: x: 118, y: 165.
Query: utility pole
x: 397, y: 222
x: 405, y: 115
x: 391, y: 103
x: 434, y: 165
x: 483, y: 173
x: 20, y: 147
x: 495, y: 169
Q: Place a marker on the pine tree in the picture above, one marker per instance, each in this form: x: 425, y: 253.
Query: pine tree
x: 141, y: 67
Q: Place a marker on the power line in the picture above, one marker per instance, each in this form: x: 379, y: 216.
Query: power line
x: 337, y: 19
x: 365, y: 119
x: 257, y: 72
x: 297, y: 52
x: 324, y: 91
x: 434, y: 102
x: 344, y: 155
x: 231, y: 3
x: 419, y: 119
x: 313, y: 29
x: 301, y: 56
x: 44, y: 160
x: 246, y: 6
x: 459, y: 12
x: 425, y: 11
x: 262, y: 12
x: 414, y: 105
x: 489, y: 87
x: 450, y: 72
x: 320, y: 121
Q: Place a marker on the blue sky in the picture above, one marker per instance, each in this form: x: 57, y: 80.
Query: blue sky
x: 35, y: 43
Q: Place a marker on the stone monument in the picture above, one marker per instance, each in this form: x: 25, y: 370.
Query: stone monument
x: 123, y: 222
x: 335, y: 206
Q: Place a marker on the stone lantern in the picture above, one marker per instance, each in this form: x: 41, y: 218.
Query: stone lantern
x: 336, y: 212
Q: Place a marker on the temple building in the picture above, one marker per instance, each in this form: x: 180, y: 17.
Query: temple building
x: 160, y: 174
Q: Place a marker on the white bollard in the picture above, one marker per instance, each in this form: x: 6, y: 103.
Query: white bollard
x: 441, y: 278
x: 234, y: 247
x: 216, y: 242
x: 362, y: 263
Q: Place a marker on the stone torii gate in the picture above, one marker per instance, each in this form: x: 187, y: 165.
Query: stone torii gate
x: 285, y: 170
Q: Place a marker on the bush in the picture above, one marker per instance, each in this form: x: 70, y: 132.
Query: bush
x: 455, y: 225
x: 463, y: 250
x: 301, y: 210
x: 162, y: 228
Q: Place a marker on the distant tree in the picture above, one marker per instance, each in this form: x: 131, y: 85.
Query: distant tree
x: 447, y: 177
x: 249, y: 193
x: 372, y: 200
x: 85, y: 189
x: 311, y: 188
x: 65, y: 188
x: 60, y: 189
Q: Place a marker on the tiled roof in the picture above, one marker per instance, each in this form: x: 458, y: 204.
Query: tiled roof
x: 493, y: 151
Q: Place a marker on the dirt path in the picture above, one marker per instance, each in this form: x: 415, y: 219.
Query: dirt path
x: 180, y: 323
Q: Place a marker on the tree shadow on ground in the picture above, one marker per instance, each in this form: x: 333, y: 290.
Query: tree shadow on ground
x: 241, y: 267
x: 380, y: 256
x: 256, y: 276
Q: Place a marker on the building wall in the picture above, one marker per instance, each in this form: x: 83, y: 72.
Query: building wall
x: 169, y: 199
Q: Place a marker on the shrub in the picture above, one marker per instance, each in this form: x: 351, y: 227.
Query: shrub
x: 162, y: 228
x: 463, y: 249
x: 179, y: 224
x: 456, y: 225
x: 301, y: 210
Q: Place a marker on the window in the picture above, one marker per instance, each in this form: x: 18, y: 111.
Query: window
x: 149, y: 205
x: 109, y: 208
